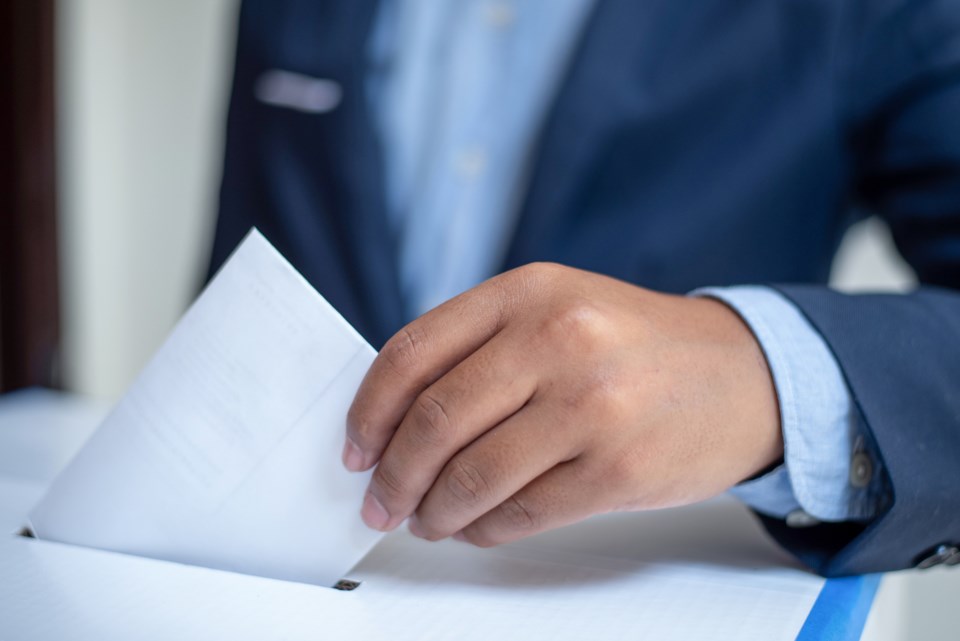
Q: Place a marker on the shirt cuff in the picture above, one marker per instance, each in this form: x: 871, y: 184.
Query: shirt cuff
x: 828, y: 472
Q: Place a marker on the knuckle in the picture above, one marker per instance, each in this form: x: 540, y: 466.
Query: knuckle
x: 532, y: 278
x: 518, y: 515
x: 430, y: 530
x: 578, y: 325
x: 402, y: 352
x: 480, y: 538
x: 521, y: 287
x: 359, y: 424
x: 466, y: 482
x: 622, y: 470
x: 541, y: 270
x: 432, y: 425
x: 391, y: 485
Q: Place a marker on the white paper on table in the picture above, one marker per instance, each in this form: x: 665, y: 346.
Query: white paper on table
x: 225, y: 452
x: 703, y: 573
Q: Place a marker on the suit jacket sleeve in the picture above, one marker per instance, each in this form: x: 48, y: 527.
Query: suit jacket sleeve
x: 899, y: 99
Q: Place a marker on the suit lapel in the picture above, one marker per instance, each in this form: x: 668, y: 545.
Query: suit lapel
x: 589, y: 103
x: 372, y: 241
x: 329, y: 40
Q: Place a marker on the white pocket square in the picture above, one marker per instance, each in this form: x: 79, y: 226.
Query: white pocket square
x: 297, y: 91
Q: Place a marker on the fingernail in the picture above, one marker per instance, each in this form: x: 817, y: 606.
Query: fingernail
x: 413, y: 524
x: 458, y: 536
x: 352, y: 456
x: 374, y: 514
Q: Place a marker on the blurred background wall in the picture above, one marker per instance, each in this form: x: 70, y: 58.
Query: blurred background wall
x: 141, y: 96
x: 142, y: 91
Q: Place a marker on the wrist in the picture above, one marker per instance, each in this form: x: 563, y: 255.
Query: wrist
x: 752, y: 389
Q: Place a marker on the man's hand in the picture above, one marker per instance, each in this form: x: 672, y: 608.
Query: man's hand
x: 549, y: 394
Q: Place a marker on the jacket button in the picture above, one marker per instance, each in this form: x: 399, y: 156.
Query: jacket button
x: 800, y: 519
x: 943, y: 554
x: 861, y: 470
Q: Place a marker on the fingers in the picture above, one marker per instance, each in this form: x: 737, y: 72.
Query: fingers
x: 492, y: 469
x: 558, y: 497
x: 412, y: 360
x: 479, y: 393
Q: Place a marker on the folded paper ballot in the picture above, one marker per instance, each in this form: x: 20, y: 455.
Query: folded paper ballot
x: 225, y: 452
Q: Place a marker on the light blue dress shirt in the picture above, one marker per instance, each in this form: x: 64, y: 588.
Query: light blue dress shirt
x: 460, y: 89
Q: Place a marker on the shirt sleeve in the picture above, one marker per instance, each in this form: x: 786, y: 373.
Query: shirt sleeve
x: 829, y: 471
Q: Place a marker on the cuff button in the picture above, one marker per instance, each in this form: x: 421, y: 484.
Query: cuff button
x: 943, y: 554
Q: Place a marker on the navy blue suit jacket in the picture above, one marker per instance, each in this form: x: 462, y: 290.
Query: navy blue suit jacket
x: 710, y: 142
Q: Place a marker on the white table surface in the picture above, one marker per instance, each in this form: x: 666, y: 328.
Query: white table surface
x: 40, y: 431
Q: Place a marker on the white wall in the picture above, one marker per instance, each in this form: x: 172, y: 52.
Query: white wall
x: 142, y: 89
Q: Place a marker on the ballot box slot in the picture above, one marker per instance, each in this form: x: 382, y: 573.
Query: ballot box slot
x: 346, y: 585
x: 343, y: 585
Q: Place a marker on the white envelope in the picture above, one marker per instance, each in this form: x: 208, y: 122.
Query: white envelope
x: 225, y: 452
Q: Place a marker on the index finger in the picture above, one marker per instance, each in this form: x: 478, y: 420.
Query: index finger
x: 417, y: 356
